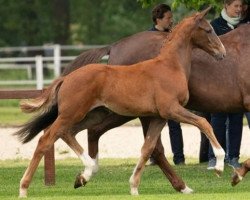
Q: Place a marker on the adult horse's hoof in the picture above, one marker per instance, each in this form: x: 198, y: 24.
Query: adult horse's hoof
x: 80, y: 181
x: 236, y: 178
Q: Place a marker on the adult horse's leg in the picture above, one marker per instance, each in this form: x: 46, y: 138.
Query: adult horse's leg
x: 240, y: 172
x: 161, y: 160
x: 146, y: 150
x: 179, y: 113
x: 113, y: 120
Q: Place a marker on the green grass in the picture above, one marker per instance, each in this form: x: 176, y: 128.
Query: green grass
x: 10, y: 113
x: 111, y: 182
x: 14, y: 74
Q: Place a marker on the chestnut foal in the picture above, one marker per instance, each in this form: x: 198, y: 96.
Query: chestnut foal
x: 156, y: 87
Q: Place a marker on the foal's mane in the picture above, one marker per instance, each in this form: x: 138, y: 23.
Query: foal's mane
x: 179, y: 30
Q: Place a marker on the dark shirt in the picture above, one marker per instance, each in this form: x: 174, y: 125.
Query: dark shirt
x: 155, y: 29
x: 220, y: 26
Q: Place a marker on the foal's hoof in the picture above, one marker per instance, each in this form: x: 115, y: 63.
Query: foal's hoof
x: 134, y: 191
x: 22, y: 193
x: 236, y: 178
x: 80, y: 181
x: 218, y: 172
x: 187, y: 190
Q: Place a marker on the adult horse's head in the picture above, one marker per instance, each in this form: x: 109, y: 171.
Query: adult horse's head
x: 204, y: 36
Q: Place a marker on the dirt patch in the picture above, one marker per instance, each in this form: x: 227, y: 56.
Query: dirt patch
x: 122, y: 142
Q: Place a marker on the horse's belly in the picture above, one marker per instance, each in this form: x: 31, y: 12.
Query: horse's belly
x: 131, y: 109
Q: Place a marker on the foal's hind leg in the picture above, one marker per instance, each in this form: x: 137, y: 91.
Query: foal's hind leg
x: 146, y: 151
x: 44, y: 144
x: 181, y: 114
x: 91, y: 165
x: 161, y: 160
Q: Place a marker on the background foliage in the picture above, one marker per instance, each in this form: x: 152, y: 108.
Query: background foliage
x: 36, y: 22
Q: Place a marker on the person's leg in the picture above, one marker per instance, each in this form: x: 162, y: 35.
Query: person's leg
x: 218, y: 122
x: 176, y: 141
x: 234, y: 138
x: 247, y: 114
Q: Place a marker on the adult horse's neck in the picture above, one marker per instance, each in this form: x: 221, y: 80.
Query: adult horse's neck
x: 179, y: 47
x: 238, y: 36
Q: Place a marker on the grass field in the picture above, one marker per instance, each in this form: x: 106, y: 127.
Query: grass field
x: 112, y: 182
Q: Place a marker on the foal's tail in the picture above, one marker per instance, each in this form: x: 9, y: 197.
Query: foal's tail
x: 47, y: 104
x: 45, y: 101
x: 87, y: 57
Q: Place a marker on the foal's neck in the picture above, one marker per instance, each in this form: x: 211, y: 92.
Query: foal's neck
x: 178, y: 47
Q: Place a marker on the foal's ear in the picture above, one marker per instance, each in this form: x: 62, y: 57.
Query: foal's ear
x: 202, y: 14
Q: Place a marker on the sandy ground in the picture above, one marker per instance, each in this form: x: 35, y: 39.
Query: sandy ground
x: 122, y: 142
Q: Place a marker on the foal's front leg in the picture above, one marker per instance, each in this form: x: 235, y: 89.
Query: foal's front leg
x: 161, y: 160
x: 179, y: 113
x: 146, y: 151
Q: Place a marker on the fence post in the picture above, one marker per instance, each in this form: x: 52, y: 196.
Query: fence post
x: 49, y: 167
x: 57, y: 60
x: 49, y: 157
x: 39, y: 72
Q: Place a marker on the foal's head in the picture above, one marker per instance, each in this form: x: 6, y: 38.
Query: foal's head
x: 204, y: 37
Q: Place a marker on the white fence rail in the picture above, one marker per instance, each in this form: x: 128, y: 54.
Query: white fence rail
x: 38, y: 62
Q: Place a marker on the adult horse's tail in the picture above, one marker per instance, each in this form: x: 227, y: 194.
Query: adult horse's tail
x: 87, y: 57
x: 47, y: 105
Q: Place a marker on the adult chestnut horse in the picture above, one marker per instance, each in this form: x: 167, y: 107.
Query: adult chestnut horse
x: 145, y: 89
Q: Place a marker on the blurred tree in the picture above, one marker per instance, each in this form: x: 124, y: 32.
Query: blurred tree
x: 102, y: 22
x: 191, y: 4
x: 61, y: 21
x: 25, y: 22
x: 35, y: 22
